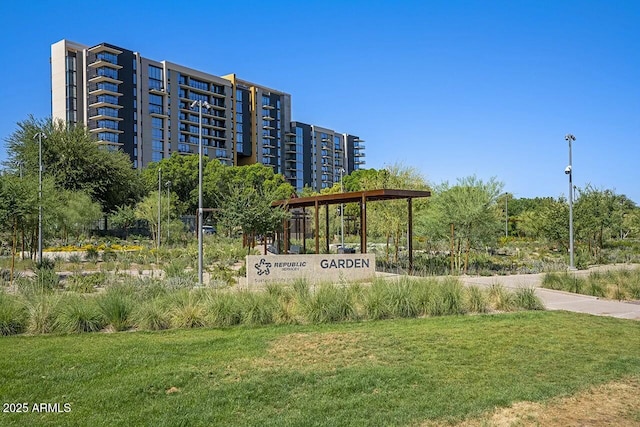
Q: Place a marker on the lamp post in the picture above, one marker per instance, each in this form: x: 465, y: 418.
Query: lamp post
x: 569, y: 171
x: 159, y: 202
x: 40, y: 135
x: 506, y: 215
x: 341, y: 212
x: 168, y: 184
x: 206, y: 105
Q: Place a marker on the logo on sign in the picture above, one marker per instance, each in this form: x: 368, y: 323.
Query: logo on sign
x: 263, y: 267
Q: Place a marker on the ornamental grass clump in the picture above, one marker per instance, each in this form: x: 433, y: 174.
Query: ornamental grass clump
x: 187, y: 309
x: 79, y: 314
x: 13, y: 314
x: 223, y: 309
x: 401, y: 298
x: 329, y: 303
x: 476, y: 301
x: 152, y: 315
x: 42, y: 312
x: 500, y: 298
x: 258, y: 308
x: 526, y: 299
x: 116, y: 306
x: 375, y: 302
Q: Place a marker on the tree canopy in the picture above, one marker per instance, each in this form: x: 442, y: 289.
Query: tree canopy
x: 75, y: 162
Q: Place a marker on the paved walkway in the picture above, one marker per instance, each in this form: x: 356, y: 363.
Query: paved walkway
x: 560, y: 300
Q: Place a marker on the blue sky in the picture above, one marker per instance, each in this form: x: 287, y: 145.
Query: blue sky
x: 452, y: 88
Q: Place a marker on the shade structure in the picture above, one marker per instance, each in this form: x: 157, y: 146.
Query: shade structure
x: 361, y: 197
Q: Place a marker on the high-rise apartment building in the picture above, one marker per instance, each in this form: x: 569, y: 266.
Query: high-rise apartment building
x: 146, y: 109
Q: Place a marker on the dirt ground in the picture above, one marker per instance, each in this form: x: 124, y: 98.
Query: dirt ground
x: 613, y: 404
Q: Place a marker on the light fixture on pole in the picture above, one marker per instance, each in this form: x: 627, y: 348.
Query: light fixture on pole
x: 168, y: 184
x: 569, y: 171
x: 40, y: 135
x: 206, y: 105
x: 159, y: 202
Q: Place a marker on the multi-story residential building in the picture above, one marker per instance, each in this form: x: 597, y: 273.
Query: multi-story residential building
x: 318, y: 157
x: 151, y: 109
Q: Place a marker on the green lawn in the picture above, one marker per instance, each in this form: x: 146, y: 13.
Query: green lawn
x: 393, y: 372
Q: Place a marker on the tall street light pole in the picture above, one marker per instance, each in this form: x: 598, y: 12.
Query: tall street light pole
x: 206, y: 105
x: 569, y: 171
x: 168, y: 184
x: 506, y: 215
x: 341, y: 213
x: 40, y: 135
x: 159, y: 202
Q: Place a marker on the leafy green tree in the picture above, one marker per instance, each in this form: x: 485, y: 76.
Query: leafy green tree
x: 124, y: 217
x: 74, y: 214
x: 389, y: 218
x: 470, y: 208
x: 548, y: 220
x: 599, y: 215
x: 72, y: 158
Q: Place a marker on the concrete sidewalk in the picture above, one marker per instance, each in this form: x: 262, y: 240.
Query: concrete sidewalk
x: 560, y: 300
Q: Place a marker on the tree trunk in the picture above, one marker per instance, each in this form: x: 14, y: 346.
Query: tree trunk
x: 466, y: 256
x: 13, y: 249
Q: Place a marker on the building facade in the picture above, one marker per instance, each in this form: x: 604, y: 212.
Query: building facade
x: 152, y: 109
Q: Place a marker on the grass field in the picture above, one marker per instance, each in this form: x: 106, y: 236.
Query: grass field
x: 391, y: 372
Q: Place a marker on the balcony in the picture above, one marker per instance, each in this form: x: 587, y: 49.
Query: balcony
x: 267, y: 118
x: 267, y: 127
x: 97, y: 92
x: 103, y: 48
x: 98, y: 79
x: 268, y: 106
x: 104, y: 104
x: 103, y: 129
x: 102, y: 63
x: 157, y: 91
x: 105, y: 117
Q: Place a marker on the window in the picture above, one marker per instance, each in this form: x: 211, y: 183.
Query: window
x: 107, y: 72
x: 155, y: 72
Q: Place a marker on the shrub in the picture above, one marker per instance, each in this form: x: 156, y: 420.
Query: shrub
x: 527, y: 299
x: 46, y: 264
x: 91, y: 254
x: 47, y: 279
x: 75, y: 259
x: 85, y: 284
x: 13, y: 316
x: 79, y: 314
x: 176, y: 268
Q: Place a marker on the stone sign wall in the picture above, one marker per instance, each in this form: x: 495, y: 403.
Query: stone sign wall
x: 314, y: 268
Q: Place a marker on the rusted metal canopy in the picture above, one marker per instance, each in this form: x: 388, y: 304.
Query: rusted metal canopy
x: 361, y: 197
x: 352, y: 197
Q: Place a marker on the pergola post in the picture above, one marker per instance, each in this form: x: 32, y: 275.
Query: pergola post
x: 317, y: 227
x: 363, y: 225
x: 326, y: 231
x: 304, y: 230
x: 410, y: 233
